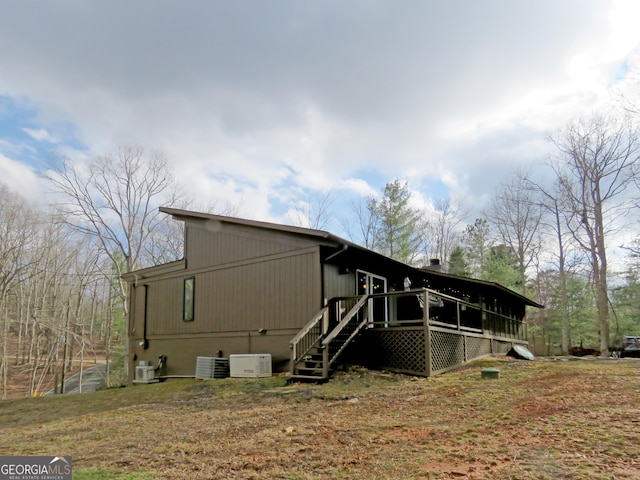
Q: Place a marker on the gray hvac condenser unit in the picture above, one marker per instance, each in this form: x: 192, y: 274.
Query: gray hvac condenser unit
x: 212, y: 367
x: 145, y: 373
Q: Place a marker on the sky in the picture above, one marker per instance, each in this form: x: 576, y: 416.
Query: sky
x: 263, y: 105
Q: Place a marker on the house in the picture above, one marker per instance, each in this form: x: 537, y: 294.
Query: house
x: 310, y: 299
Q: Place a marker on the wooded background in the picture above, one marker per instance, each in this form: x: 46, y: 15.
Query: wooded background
x: 569, y: 240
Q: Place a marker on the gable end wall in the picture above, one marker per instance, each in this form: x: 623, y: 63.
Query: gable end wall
x: 210, y: 243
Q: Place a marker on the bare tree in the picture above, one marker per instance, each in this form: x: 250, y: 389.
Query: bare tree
x: 315, y: 212
x: 553, y: 221
x: 361, y: 229
x: 595, y: 167
x: 166, y: 243
x: 114, y: 199
x: 442, y: 230
x: 47, y: 293
x: 516, y: 215
x: 18, y: 235
x: 19, y: 258
x: 49, y: 289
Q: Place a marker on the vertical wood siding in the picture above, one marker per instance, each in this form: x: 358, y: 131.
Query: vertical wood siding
x: 136, y: 326
x: 208, y: 245
x: 275, y: 293
x: 338, y: 284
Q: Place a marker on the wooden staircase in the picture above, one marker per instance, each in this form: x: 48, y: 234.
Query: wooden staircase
x: 315, y: 349
x: 311, y: 368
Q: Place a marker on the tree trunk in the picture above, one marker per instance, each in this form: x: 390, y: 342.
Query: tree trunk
x: 4, y: 371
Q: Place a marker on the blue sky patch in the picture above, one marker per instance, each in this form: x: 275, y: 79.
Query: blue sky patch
x: 24, y: 139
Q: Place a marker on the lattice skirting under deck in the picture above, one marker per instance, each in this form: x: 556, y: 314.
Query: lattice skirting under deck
x: 500, y: 347
x: 398, y: 350
x: 404, y: 350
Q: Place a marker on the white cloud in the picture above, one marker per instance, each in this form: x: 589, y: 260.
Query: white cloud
x: 261, y: 104
x: 22, y: 180
x: 41, y: 135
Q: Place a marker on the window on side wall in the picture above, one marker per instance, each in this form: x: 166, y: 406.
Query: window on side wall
x: 188, y: 299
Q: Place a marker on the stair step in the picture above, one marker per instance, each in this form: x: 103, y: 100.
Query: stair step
x: 314, y: 357
x: 310, y: 369
x: 308, y: 373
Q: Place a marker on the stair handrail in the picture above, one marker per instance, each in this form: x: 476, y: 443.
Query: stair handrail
x: 345, y: 321
x: 321, y: 316
x: 338, y: 329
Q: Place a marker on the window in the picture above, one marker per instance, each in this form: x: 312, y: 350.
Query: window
x: 188, y: 299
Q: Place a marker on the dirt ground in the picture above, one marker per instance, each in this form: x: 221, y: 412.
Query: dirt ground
x: 544, y: 419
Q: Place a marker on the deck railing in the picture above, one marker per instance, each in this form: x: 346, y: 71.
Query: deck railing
x: 424, y: 329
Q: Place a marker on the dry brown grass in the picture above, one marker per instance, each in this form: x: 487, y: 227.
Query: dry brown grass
x: 541, y: 420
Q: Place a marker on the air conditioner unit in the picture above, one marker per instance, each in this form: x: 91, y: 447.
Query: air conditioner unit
x: 145, y: 374
x: 250, y: 365
x: 211, y: 367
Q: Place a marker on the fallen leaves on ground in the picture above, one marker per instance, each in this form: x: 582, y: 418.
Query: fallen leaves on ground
x: 540, y: 420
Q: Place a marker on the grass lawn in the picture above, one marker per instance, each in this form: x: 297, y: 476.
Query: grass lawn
x: 546, y: 419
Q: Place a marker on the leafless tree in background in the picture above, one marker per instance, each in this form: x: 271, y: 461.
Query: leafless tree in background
x: 115, y: 199
x: 19, y: 260
x: 516, y: 215
x: 629, y: 101
x: 315, y: 212
x: 361, y: 226
x: 595, y: 167
x: 553, y: 220
x: 442, y: 230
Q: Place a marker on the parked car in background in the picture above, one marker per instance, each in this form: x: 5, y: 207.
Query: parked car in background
x: 630, y: 346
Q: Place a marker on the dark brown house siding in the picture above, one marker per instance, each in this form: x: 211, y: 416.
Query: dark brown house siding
x: 276, y: 292
x: 234, y: 243
x: 137, y: 313
x: 337, y: 283
x: 164, y: 306
x: 138, y: 298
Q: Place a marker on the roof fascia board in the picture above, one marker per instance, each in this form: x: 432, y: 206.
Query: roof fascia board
x: 155, y: 270
x: 185, y: 215
x: 486, y: 283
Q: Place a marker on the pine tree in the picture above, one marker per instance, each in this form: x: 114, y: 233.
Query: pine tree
x: 398, y: 226
x: 457, y: 263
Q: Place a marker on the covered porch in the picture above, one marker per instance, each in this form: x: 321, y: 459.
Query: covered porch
x: 419, y: 332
